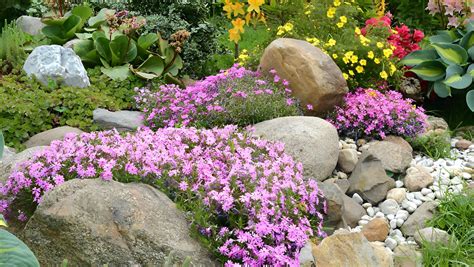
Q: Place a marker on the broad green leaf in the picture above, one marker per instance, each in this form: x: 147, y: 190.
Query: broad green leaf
x: 94, y: 22
x: 470, y: 100
x: 55, y: 34
x: 154, y: 64
x: 441, y: 89
x: 84, y: 12
x: 457, y: 81
x: 13, y: 252
x: 430, y: 70
x: 119, y: 73
x: 50, y: 21
x: 70, y: 26
x: 84, y: 36
x: 102, y: 45
x: 146, y: 76
x: 86, y: 51
x: 451, y: 53
x: 443, y: 37
x: 124, y: 50
x: 471, y: 53
x: 470, y: 70
x: 145, y: 41
x: 470, y: 26
x: 468, y: 40
x: 419, y: 56
x: 169, y: 54
x: 98, y: 34
x: 453, y: 70
x: 177, y: 65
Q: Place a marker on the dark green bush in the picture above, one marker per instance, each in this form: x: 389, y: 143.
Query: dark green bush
x: 27, y: 107
x: 413, y: 13
x: 12, y: 9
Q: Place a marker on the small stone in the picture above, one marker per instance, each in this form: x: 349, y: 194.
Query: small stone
x: 396, y: 232
x: 363, y: 222
x: 463, y: 144
x: 402, y: 214
x: 397, y: 194
x: 376, y: 230
x: 357, y: 199
x: 418, y: 195
x: 431, y: 196
x: 370, y: 211
x: 390, y: 243
x: 398, y: 184
x: 426, y: 191
x: 432, y: 235
x: 367, y: 205
x: 366, y: 217
x: 456, y: 180
x: 399, y: 222
x: 411, y: 208
x: 347, y: 159
x: 393, y: 223
x: 407, y: 256
x: 417, y: 202
x: 466, y: 176
x: 379, y: 215
x: 417, y: 178
x: 361, y: 142
x: 390, y: 217
x: 389, y: 206
x: 410, y: 196
x: 342, y: 175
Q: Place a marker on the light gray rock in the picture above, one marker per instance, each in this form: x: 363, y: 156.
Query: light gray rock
x: 432, y: 235
x: 406, y: 255
x: 8, y: 166
x: 343, y: 184
x: 306, y: 255
x: 335, y: 205
x: 370, y: 180
x: 417, y: 178
x: 417, y: 220
x: 347, y: 160
x: 45, y: 138
x: 30, y: 25
x: 57, y: 63
x: 92, y: 222
x: 310, y: 140
x: 394, y: 153
x: 8, y: 153
x: 123, y: 120
x: 389, y: 206
x: 352, y: 211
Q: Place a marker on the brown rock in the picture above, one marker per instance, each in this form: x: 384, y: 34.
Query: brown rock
x: 406, y: 255
x: 394, y: 153
x: 418, y: 219
x: 376, y: 230
x: 314, y: 77
x: 417, y: 178
x: 383, y: 254
x: 397, y: 194
x: 463, y: 144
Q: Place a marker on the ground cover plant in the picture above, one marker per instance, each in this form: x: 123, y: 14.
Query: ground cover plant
x: 375, y: 114
x: 256, y: 208
x: 435, y: 145
x: 236, y: 96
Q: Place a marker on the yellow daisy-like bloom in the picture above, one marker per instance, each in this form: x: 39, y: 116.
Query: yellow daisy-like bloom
x: 343, y: 19
x: 383, y: 75
x: 331, y: 12
x: 393, y: 69
x: 360, y: 69
x: 379, y: 45
x: 280, y: 31
x: 340, y: 24
x: 346, y: 60
x: 387, y: 52
x: 370, y: 54
x: 307, y: 12
x: 331, y: 42
x: 364, y: 40
x: 377, y: 61
x: 288, y: 26
x: 354, y: 59
x: 357, y: 31
x: 351, y: 73
x: 346, y: 77
x: 349, y: 54
x: 334, y: 56
x: 363, y: 62
x: 337, y: 2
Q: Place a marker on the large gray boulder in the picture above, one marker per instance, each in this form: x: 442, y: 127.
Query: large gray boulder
x: 370, y: 180
x: 314, y: 77
x: 92, y: 222
x: 56, y: 63
x: 122, y: 120
x: 310, y: 140
x: 45, y: 138
x: 8, y: 165
x: 30, y: 25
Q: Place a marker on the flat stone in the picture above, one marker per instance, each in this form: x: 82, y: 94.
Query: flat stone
x: 347, y: 160
x: 417, y: 178
x: 30, y: 25
x: 389, y: 206
x: 45, y: 138
x: 394, y: 154
x: 406, y: 255
x: 418, y: 219
x: 432, y: 235
x: 123, y: 120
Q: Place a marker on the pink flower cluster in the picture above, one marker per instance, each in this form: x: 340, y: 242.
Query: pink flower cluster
x: 371, y: 113
x: 401, y: 36
x: 260, y: 210
x: 216, y: 99
x: 458, y: 12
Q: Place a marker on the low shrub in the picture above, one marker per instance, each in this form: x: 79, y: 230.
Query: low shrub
x: 12, y: 53
x: 27, y: 107
x: 434, y: 145
x: 247, y: 200
x: 235, y: 96
x: 371, y: 113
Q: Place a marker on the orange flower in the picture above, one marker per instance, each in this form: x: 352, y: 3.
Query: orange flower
x: 238, y: 9
x: 254, y: 5
x: 234, y: 35
x: 239, y: 24
x: 228, y: 8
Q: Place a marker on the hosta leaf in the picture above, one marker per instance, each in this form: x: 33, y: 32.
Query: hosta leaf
x: 419, y: 56
x: 451, y: 53
x: 470, y: 100
x: 13, y: 252
x: 119, y: 73
x: 443, y: 37
x: 457, y: 81
x: 468, y: 40
x: 453, y: 70
x: 471, y: 53
x: 470, y: 70
x: 441, y: 89
x: 430, y: 70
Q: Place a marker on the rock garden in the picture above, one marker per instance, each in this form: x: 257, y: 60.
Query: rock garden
x: 237, y: 133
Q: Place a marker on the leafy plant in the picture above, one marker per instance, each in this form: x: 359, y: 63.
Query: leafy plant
x: 13, y: 252
x: 61, y: 30
x: 38, y: 8
x: 12, y: 9
x: 447, y: 63
x: 12, y: 53
x: 435, y: 145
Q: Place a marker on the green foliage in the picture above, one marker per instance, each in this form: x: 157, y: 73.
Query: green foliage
x: 13, y: 252
x: 435, y: 145
x: 455, y: 215
x: 448, y: 63
x: 413, y: 13
x: 61, y: 30
x: 12, y: 40
x: 38, y: 8
x: 12, y: 9
x: 27, y: 107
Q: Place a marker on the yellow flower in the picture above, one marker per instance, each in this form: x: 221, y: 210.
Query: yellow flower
x: 307, y: 12
x: 337, y: 2
x: 238, y: 9
x: 349, y: 54
x: 281, y: 31
x: 239, y: 24
x: 343, y: 19
x: 383, y: 75
x: 340, y: 24
x: 331, y: 42
x: 364, y: 40
x: 228, y: 7
x: 371, y: 93
x: 370, y: 55
x: 392, y: 69
x: 363, y: 62
x: 254, y: 5
x: 331, y: 12
x: 377, y: 61
x: 357, y: 31
x: 234, y: 35
x: 387, y: 52
x: 351, y: 73
x: 345, y: 59
x: 346, y: 77
x: 379, y: 45
x: 243, y: 57
x: 288, y: 26
x: 334, y: 56
x: 354, y: 59
x: 359, y: 69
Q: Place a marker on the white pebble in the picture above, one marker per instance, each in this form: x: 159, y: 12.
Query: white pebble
x: 398, y: 183
x: 357, y: 198
x: 431, y: 196
x: 426, y: 191
x: 370, y: 211
x: 402, y: 214
x: 410, y: 196
x: 366, y: 205
x: 379, y: 215
x: 390, y: 243
x: 396, y: 232
x: 390, y: 217
x: 366, y: 217
x: 399, y: 222
x: 393, y: 223
x: 466, y: 175
x: 363, y: 222
x: 417, y: 202
x: 411, y: 208
x: 456, y: 180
